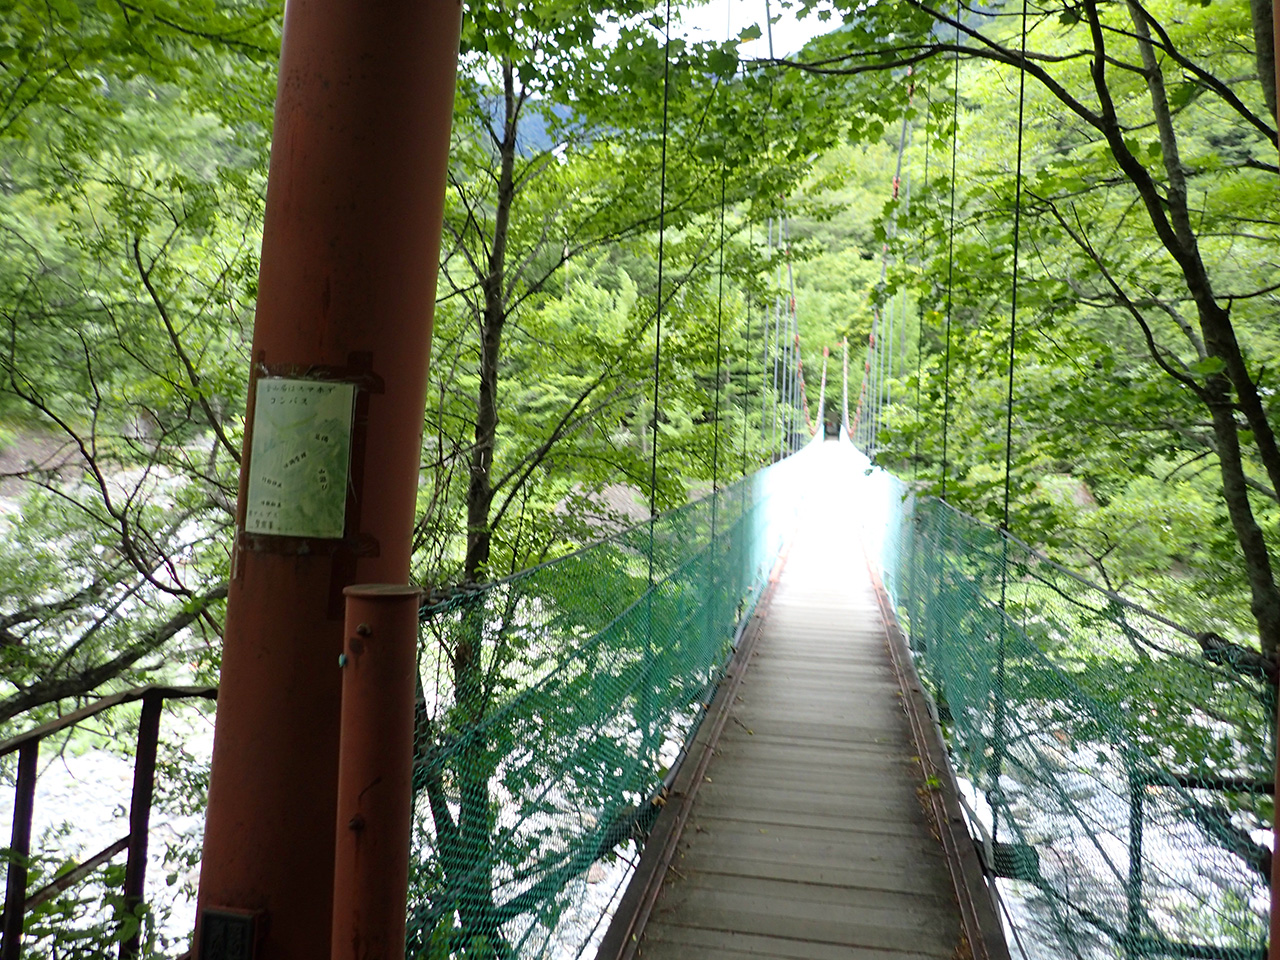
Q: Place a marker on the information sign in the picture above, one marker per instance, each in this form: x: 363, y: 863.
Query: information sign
x: 299, y: 458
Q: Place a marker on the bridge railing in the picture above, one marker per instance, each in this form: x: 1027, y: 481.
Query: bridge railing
x: 20, y: 900
x: 555, y: 704
x: 1117, y: 770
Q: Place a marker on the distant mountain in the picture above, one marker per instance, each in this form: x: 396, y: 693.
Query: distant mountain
x: 534, y: 135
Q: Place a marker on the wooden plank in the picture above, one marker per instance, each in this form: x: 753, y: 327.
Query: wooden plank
x: 781, y: 896
x: 807, y: 912
x: 982, y: 928
x: 811, y: 726
x: 794, y: 824
x: 813, y: 846
x: 874, y: 801
x: 799, y: 862
x: 867, y: 773
x: 833, y: 751
x: 731, y: 945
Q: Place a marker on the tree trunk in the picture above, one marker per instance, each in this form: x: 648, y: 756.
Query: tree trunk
x: 1177, y: 234
x: 1264, y: 45
x: 471, y: 871
x: 480, y: 488
x: 1265, y: 598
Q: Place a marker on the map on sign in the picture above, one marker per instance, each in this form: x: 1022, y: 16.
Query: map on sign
x: 299, y: 458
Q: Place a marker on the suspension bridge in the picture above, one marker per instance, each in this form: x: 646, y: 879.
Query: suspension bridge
x: 810, y: 715
x: 740, y: 752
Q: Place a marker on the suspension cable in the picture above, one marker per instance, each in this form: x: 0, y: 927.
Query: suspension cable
x: 715, y: 441
x: 951, y: 259
x: 793, y: 336
x: 915, y: 459
x: 778, y: 360
x: 844, y: 400
x: 995, y: 795
x: 822, y: 392
x: 746, y: 357
x: 803, y: 394
x: 764, y: 363
x: 1013, y: 297
x: 662, y: 229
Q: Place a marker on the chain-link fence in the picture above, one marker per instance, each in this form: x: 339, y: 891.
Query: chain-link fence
x: 1116, y: 766
x: 554, y: 704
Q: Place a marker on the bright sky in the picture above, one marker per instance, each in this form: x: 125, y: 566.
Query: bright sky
x: 721, y: 19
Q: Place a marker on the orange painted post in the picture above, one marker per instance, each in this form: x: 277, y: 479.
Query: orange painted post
x: 375, y: 771
x: 341, y: 342
x: 1273, y: 951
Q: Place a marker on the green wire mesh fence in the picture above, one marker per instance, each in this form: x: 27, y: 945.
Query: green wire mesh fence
x: 1116, y: 766
x: 553, y: 706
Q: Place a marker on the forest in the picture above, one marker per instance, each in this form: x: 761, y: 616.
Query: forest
x: 1059, y: 215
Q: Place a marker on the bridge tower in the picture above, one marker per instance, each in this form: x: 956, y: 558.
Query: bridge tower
x: 331, y: 457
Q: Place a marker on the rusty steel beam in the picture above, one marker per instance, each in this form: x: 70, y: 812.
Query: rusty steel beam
x: 96, y: 707
x: 24, y: 798
x: 144, y: 776
x: 350, y: 253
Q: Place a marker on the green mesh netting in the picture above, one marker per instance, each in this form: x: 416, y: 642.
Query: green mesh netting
x: 554, y: 703
x: 1117, y: 771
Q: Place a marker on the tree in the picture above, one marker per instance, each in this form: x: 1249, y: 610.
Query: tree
x: 132, y: 141
x: 1160, y: 220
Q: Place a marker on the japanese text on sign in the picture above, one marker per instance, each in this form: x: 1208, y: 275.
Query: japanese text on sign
x: 299, y: 458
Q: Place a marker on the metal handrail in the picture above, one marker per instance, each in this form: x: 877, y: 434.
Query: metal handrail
x: 17, y: 901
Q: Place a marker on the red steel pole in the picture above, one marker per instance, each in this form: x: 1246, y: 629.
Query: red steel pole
x: 350, y: 252
x: 375, y: 770
x: 1273, y: 951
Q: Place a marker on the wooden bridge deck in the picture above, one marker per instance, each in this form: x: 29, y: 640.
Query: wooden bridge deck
x: 808, y: 836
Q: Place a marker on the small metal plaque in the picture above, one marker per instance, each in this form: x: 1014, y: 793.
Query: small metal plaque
x: 228, y: 934
x: 299, y: 458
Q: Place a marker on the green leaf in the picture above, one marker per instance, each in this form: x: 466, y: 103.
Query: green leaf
x: 723, y: 62
x: 1208, y: 366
